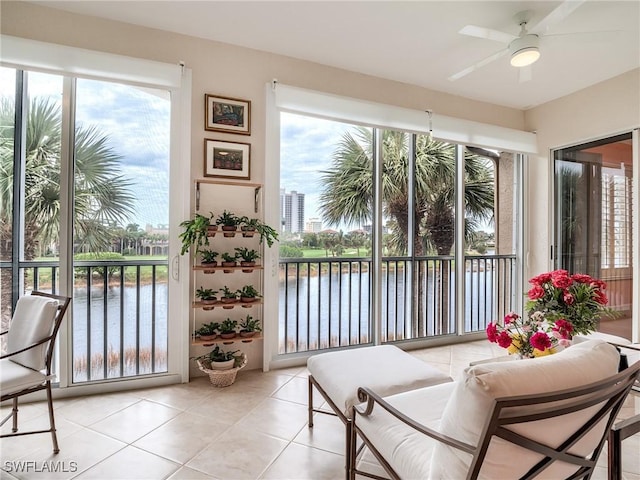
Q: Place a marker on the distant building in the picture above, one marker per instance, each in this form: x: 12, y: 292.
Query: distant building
x: 292, y: 211
x: 314, y: 225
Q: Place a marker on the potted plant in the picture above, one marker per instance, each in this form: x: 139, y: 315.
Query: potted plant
x: 249, y: 327
x: 221, y: 360
x: 248, y: 226
x: 228, y: 297
x: 196, y: 232
x: 207, y: 296
x: 228, y: 260
x: 248, y: 258
x: 208, y: 331
x: 248, y: 294
x: 229, y: 223
x: 227, y: 328
x: 208, y: 259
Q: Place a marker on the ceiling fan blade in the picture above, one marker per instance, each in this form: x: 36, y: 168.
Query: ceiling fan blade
x: 487, y: 33
x: 595, y: 35
x: 558, y: 14
x: 476, y: 66
x: 524, y: 74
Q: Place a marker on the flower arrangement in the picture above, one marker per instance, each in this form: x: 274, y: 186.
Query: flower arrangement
x: 578, y: 299
x: 559, y: 305
x: 530, y: 337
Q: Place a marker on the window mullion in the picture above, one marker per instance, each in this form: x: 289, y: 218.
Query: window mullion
x: 19, y: 161
x: 67, y: 149
x: 460, y: 262
x: 376, y: 261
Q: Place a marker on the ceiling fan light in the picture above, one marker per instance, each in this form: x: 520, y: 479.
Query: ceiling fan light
x: 524, y: 50
x: 525, y: 57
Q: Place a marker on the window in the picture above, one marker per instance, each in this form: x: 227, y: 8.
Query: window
x: 349, y: 273
x: 94, y: 218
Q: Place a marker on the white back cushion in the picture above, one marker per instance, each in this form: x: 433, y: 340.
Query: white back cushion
x: 32, y: 321
x: 467, y: 412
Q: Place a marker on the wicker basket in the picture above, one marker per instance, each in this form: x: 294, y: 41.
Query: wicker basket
x: 223, y: 378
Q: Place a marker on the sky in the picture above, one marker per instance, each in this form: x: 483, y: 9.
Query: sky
x: 136, y: 121
x: 301, y: 166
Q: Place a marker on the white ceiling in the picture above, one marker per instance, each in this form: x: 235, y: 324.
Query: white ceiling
x: 415, y: 42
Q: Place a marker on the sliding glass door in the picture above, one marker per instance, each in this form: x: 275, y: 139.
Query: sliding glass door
x: 593, y: 226
x: 90, y: 158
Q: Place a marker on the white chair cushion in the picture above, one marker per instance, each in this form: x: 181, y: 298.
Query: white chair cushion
x: 385, y: 369
x: 15, y: 378
x: 403, y: 447
x: 465, y: 415
x: 32, y: 321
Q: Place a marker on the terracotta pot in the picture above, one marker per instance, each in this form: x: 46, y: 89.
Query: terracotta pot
x: 245, y: 334
x: 248, y: 233
x: 247, y: 264
x: 228, y: 264
x: 211, y: 230
x: 209, y: 264
x: 229, y: 231
x: 226, y: 336
x: 209, y: 304
x: 208, y: 338
x: 227, y: 303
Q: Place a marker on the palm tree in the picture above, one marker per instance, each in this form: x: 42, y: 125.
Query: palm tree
x: 348, y: 194
x: 102, y: 196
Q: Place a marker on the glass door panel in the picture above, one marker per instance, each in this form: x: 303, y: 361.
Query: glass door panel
x: 593, y: 220
x: 326, y: 181
x: 121, y: 223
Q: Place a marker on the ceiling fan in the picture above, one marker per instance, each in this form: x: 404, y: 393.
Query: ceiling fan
x: 523, y: 48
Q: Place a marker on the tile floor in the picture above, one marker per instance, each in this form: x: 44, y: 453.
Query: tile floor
x: 255, y: 429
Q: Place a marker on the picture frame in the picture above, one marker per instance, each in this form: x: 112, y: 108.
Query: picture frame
x: 229, y: 115
x: 227, y: 159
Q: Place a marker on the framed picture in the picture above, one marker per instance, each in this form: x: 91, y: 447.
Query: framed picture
x: 230, y: 115
x: 226, y: 159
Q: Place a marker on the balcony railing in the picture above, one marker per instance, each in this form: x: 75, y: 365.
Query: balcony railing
x: 325, y: 302
x: 119, y: 325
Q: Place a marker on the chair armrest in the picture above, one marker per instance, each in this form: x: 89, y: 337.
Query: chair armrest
x: 44, y: 340
x: 372, y: 399
x: 4, y: 333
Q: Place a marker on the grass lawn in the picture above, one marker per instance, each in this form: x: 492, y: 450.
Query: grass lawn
x: 322, y: 253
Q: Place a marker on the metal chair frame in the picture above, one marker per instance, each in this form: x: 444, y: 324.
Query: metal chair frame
x: 46, y: 385
x: 610, y: 393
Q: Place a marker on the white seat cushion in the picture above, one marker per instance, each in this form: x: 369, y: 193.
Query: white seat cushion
x: 466, y: 413
x: 385, y: 369
x: 32, y: 321
x: 403, y: 447
x: 15, y: 378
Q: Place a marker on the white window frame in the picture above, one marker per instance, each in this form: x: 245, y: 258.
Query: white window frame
x: 286, y: 98
x: 67, y: 61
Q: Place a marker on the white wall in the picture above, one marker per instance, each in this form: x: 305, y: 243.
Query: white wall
x: 605, y: 109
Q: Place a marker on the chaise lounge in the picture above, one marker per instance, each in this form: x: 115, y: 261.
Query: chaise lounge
x: 541, y: 418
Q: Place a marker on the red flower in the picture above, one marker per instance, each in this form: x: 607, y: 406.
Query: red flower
x: 563, y: 328
x: 510, y: 317
x: 582, y: 278
x: 568, y: 298
x: 504, y: 339
x: 492, y: 332
x: 599, y: 284
x: 540, y: 279
x: 536, y: 292
x: 561, y: 279
x: 600, y: 297
x: 540, y: 340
